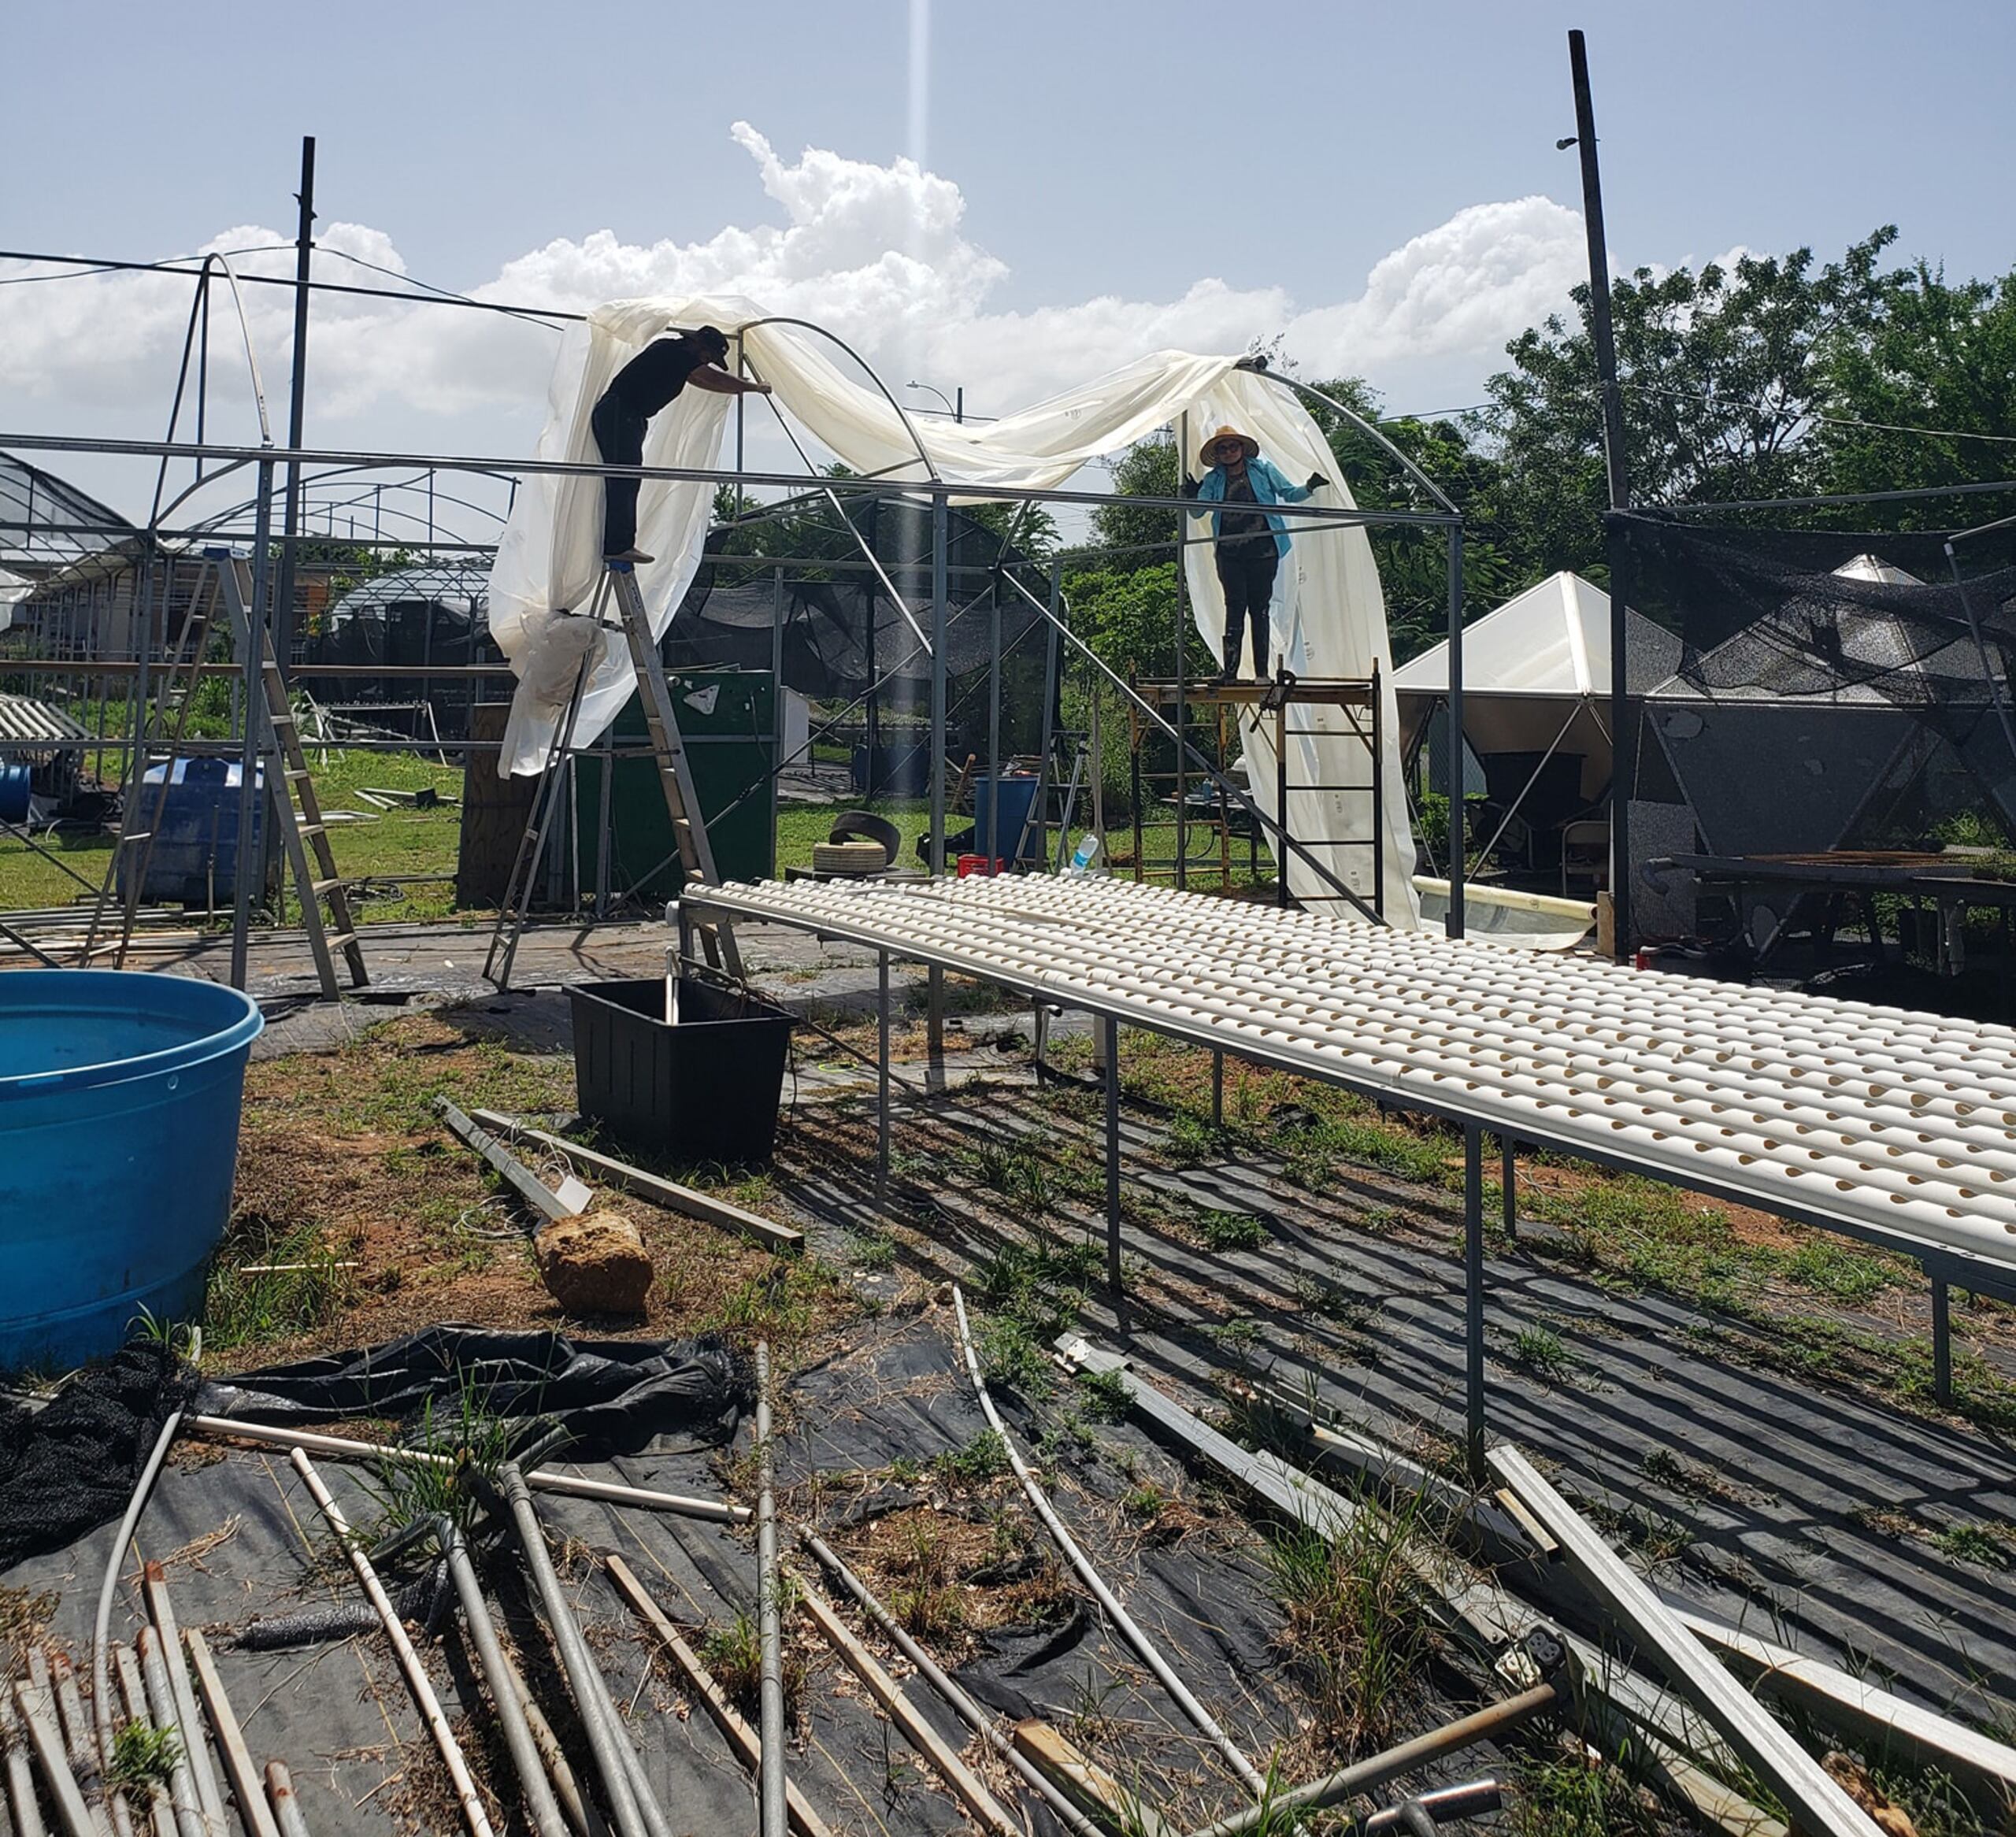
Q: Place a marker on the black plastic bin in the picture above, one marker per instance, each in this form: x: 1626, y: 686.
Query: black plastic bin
x: 705, y: 1089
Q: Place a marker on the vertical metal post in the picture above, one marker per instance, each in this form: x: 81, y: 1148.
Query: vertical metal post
x: 1182, y: 651
x: 1378, y: 725
x: 995, y: 850
x: 1474, y: 1409
x: 605, y: 816
x: 1110, y: 1029
x: 1623, y: 740
x: 939, y: 613
x: 882, y: 1076
x: 1942, y: 1341
x: 1459, y: 838
x: 772, y: 1803
x: 250, y: 861
x: 1053, y: 658
x: 934, y: 1021
x: 1217, y: 1091
x: 1508, y: 1178
x: 304, y: 246
x: 777, y: 704
x: 1281, y: 792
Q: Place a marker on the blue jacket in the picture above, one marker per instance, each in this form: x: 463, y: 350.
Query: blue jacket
x: 1269, y: 487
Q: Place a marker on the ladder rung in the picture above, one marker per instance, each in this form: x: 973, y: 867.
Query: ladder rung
x: 319, y: 887
x: 340, y: 939
x: 314, y: 829
x: 294, y: 777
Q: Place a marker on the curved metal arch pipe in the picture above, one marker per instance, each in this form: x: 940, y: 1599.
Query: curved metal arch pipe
x: 868, y: 369
x: 1363, y: 426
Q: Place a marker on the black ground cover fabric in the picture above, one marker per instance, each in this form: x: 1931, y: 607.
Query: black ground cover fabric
x: 610, y: 1395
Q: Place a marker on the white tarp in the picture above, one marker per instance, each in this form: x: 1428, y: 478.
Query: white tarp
x: 1329, y: 615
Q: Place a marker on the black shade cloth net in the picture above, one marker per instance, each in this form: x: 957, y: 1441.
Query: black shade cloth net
x: 1850, y: 666
x: 73, y: 1463
x: 842, y: 631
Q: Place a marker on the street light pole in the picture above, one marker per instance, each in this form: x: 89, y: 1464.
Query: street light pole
x: 1623, y: 740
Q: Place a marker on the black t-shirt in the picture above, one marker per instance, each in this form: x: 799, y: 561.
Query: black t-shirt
x: 657, y: 373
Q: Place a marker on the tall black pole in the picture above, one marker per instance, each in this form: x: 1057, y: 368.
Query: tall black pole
x: 1623, y: 738
x: 304, y: 246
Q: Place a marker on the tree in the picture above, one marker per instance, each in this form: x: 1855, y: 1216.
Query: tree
x: 1943, y: 357
x: 1723, y: 373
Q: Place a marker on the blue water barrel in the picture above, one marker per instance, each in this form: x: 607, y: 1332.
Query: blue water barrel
x: 119, y: 1094
x: 14, y: 778
x: 1017, y: 794
x: 196, y: 831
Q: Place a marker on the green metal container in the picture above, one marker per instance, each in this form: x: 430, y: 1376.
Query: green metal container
x: 727, y: 720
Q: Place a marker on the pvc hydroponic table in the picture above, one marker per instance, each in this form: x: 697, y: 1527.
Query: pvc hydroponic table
x: 1895, y: 1127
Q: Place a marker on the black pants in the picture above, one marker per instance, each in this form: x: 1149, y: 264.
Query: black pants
x: 1246, y: 571
x: 619, y: 433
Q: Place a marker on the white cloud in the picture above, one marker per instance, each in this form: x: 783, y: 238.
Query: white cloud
x: 880, y: 254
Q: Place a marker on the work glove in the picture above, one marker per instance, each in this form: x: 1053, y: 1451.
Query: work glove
x: 1191, y: 486
x: 1317, y: 482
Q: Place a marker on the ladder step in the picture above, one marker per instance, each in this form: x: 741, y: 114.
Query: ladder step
x: 323, y: 887
x: 314, y: 829
x: 341, y: 939
x: 294, y: 777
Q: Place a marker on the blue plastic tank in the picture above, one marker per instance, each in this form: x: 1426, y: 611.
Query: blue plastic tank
x: 119, y: 1094
x: 1017, y: 796
x: 197, y: 831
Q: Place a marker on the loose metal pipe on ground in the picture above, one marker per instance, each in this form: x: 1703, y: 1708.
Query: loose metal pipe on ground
x: 540, y: 1805
x: 968, y: 1711
x: 280, y: 1795
x: 154, y: 1586
x: 101, y: 1625
x: 160, y: 1703
x: 1144, y: 1647
x: 416, y: 1673
x: 632, y: 1805
x: 769, y: 1625
x: 1364, y: 1776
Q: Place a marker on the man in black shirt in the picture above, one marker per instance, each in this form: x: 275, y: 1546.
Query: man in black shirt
x: 644, y: 386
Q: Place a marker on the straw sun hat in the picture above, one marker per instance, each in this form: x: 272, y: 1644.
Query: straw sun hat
x: 1251, y: 446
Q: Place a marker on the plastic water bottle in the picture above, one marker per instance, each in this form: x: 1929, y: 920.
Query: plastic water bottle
x: 1087, y: 852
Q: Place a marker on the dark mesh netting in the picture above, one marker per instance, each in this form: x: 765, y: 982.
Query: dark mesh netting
x: 72, y: 1464
x: 842, y: 630
x: 1783, y: 612
x: 1849, y: 672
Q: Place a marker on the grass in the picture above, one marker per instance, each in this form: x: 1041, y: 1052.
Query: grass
x: 1105, y: 1395
x: 1231, y: 1231
x: 401, y: 841
x: 465, y: 1430
x: 1538, y: 1351
x: 1030, y: 1295
x: 1355, y: 1629
x: 293, y: 1284
x: 1565, y: 1795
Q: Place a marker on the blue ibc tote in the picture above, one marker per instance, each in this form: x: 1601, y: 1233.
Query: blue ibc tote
x: 197, y: 831
x: 1018, y: 795
x: 119, y: 1094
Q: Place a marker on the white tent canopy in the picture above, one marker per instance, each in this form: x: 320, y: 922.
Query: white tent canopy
x: 1329, y: 612
x: 1553, y: 639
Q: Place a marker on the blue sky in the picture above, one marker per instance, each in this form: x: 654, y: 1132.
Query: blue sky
x: 1094, y: 164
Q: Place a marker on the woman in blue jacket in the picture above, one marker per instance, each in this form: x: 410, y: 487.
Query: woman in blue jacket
x: 1248, y: 543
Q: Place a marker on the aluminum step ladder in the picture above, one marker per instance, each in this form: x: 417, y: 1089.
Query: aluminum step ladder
x: 290, y: 794
x: 689, y: 827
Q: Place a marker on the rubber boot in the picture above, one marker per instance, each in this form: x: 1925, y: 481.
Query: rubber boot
x: 1230, y: 672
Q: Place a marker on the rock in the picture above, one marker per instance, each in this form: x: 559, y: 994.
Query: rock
x: 596, y: 1264
x: 1884, y: 1812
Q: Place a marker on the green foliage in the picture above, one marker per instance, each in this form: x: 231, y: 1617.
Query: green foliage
x: 1232, y: 1231
x: 1106, y: 1399
x: 143, y: 1760
x: 983, y: 1458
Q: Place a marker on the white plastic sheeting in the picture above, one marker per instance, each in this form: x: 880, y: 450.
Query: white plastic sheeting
x: 1899, y: 1123
x: 1329, y: 615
